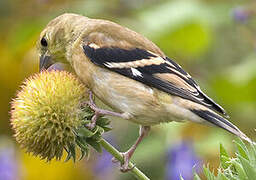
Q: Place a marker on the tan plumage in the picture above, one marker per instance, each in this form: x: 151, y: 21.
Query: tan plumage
x: 128, y: 72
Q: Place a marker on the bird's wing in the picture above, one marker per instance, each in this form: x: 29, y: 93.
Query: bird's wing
x: 151, y: 69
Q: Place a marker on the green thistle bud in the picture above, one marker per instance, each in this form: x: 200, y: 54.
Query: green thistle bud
x: 47, y: 113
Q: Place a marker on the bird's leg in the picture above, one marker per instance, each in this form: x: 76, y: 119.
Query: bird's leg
x: 128, y: 154
x: 99, y: 112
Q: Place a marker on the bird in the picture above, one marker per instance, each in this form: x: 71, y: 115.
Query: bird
x: 128, y: 73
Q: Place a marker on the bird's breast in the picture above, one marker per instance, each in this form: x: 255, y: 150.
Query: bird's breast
x: 147, y: 106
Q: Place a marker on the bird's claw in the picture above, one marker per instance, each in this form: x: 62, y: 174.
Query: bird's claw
x: 91, y: 125
x: 114, y: 160
x: 96, y: 110
x: 124, y: 167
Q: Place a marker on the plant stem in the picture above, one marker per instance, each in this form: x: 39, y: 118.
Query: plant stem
x: 135, y: 171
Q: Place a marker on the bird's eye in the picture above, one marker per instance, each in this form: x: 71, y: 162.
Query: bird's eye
x: 44, y: 42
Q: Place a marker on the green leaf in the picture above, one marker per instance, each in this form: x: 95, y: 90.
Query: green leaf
x: 100, y: 130
x: 95, y: 145
x: 224, y: 158
x: 87, y: 115
x: 83, y: 153
x: 83, y: 147
x: 106, y: 129
x: 209, y: 175
x: 86, y: 137
x: 102, y: 121
x: 196, y: 177
x: 72, y: 149
x: 223, y: 151
x: 240, y: 171
x: 248, y: 168
x: 181, y: 178
x: 221, y: 176
x: 253, y: 146
x: 225, y: 162
x: 242, y: 167
x: 242, y: 150
x: 84, y: 132
x: 81, y: 142
x: 68, y: 156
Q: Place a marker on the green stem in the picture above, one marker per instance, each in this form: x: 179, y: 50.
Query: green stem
x: 135, y: 171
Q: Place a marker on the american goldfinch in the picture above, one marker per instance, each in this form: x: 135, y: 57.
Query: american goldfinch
x: 129, y: 73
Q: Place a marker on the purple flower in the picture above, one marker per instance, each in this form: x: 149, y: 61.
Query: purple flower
x: 8, y: 164
x: 181, y: 162
x: 103, y: 168
x: 241, y: 14
x: 104, y: 163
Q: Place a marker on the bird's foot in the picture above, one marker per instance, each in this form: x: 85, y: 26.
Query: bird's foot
x: 128, y: 154
x: 124, y: 167
x: 92, y: 124
x: 101, y: 112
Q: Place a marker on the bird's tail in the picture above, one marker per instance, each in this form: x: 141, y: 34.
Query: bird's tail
x: 219, y: 121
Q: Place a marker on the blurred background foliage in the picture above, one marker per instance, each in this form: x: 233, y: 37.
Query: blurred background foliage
x: 214, y: 40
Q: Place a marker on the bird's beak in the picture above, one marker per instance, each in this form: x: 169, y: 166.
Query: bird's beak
x: 45, y: 62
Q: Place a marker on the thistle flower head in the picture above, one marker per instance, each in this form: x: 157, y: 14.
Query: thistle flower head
x: 47, y: 112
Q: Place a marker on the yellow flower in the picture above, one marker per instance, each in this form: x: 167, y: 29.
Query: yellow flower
x: 46, y: 113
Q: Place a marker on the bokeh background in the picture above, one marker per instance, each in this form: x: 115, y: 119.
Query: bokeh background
x: 214, y: 40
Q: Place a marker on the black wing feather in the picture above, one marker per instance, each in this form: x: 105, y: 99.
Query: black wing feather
x: 219, y: 121
x: 102, y: 56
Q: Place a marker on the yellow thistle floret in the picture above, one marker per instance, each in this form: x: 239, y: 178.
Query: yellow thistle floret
x: 47, y: 112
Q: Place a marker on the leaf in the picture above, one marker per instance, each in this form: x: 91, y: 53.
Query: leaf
x: 224, y: 158
x: 72, y: 150
x: 223, y: 151
x: 221, y: 175
x: 248, y: 168
x: 95, y: 145
x: 86, y: 137
x: 181, y: 178
x: 68, y: 156
x: 240, y: 171
x: 100, y: 130
x: 230, y: 174
x: 242, y: 150
x: 196, y: 177
x: 104, y: 123
x: 106, y: 129
x: 87, y: 115
x: 81, y: 142
x: 84, y: 132
x: 253, y: 146
x: 83, y: 147
x: 83, y: 153
x: 208, y: 173
x: 225, y: 162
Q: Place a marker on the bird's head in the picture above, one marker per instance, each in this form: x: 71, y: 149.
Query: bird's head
x: 56, y: 40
